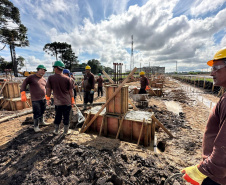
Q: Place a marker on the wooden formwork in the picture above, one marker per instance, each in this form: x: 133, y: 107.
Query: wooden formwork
x: 12, y: 104
x: 11, y: 90
x: 155, y: 92
x: 130, y: 130
x: 119, y: 104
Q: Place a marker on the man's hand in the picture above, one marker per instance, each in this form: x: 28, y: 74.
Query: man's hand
x: 193, y: 175
x: 72, y: 101
x: 47, y: 100
x: 92, y: 91
x: 23, y: 96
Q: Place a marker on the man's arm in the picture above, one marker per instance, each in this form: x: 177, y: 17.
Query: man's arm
x: 48, y: 92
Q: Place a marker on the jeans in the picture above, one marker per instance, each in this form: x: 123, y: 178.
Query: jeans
x: 88, y: 97
x: 100, y: 90
x: 39, y: 108
x: 62, y: 111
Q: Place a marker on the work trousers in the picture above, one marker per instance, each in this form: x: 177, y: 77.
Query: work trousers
x: 62, y: 111
x: 142, y: 91
x: 88, y: 97
x: 100, y: 91
x: 75, y: 93
x: 208, y: 181
x: 39, y: 108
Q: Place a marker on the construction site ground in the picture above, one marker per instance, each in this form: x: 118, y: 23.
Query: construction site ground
x: 27, y: 157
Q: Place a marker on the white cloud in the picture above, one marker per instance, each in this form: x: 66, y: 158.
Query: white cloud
x: 159, y: 37
x: 201, y: 7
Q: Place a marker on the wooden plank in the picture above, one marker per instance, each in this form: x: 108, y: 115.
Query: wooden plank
x: 161, y: 125
x: 120, y: 126
x: 2, y: 87
x: 5, y: 104
x: 86, y: 121
x: 108, y: 77
x: 131, y: 103
x: 101, y: 127
x: 106, y: 126
x: 146, y: 135
x: 141, y: 131
x: 111, y: 97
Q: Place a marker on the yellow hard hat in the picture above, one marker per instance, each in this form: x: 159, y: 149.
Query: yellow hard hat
x: 88, y: 67
x: 219, y: 55
x: 142, y: 73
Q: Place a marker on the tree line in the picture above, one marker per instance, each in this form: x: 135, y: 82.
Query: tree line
x: 14, y: 34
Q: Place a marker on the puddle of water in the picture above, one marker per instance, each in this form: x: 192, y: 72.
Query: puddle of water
x: 173, y: 106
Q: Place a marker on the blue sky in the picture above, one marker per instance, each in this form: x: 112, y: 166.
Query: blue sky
x: 189, y: 32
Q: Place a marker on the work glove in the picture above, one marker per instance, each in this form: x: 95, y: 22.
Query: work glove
x: 92, y: 91
x: 147, y: 88
x: 193, y: 175
x: 23, y: 96
x: 47, y: 100
x: 72, y: 101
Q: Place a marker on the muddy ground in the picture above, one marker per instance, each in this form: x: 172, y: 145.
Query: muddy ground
x: 42, y: 158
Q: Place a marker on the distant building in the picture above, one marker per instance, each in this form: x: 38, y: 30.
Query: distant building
x: 153, y: 70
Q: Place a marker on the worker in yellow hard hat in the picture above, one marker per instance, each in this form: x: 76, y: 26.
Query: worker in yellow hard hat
x: 88, y: 86
x: 143, y: 83
x: 212, y: 169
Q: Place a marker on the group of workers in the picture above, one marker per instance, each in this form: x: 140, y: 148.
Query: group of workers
x: 63, y: 86
x: 210, y: 171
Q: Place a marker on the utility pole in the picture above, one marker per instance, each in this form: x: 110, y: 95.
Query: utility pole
x: 131, y: 59
x: 176, y: 66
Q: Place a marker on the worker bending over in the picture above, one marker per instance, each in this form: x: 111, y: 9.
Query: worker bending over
x: 88, y: 85
x: 143, y: 83
x: 212, y: 169
x: 62, y: 88
x: 37, y: 85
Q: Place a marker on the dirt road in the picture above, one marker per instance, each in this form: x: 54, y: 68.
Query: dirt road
x: 42, y: 158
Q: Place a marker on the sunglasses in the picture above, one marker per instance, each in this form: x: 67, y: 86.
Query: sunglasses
x: 216, y: 68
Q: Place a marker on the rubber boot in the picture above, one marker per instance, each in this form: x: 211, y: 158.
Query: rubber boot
x: 56, y: 130
x: 66, y: 129
x: 36, y: 127
x: 42, y: 122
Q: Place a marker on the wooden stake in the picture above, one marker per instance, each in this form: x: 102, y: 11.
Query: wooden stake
x: 84, y: 124
x: 131, y: 103
x: 108, y: 77
x: 161, y: 125
x: 120, y: 126
x: 111, y: 97
x: 141, y: 130
x: 101, y: 126
x: 3, y: 87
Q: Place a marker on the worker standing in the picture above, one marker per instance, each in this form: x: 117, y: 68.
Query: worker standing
x: 100, y: 81
x: 67, y: 73
x: 37, y: 84
x: 88, y: 86
x: 62, y: 88
x: 143, y: 83
x: 74, y: 85
x: 212, y: 169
